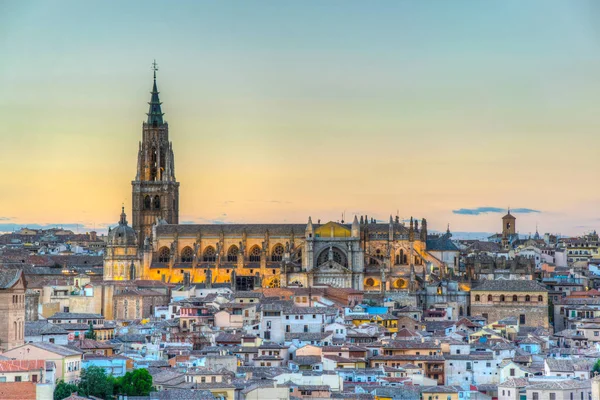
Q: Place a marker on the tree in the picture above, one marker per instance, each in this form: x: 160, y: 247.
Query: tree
x: 64, y: 390
x: 95, y: 382
x: 596, y: 368
x: 136, y: 383
x: 90, y: 334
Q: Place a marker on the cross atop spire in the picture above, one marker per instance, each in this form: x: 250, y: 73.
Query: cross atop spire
x: 155, y: 114
x: 154, y: 68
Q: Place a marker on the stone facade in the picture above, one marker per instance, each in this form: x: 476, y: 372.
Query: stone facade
x: 525, y: 300
x: 137, y: 304
x: 360, y: 255
x: 12, y: 308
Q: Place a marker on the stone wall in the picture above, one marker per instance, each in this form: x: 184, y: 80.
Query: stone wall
x: 535, y: 315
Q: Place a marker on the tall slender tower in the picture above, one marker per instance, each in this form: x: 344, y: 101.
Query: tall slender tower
x: 155, y: 189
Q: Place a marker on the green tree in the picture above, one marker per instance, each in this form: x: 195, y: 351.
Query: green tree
x: 94, y: 382
x: 90, y: 334
x: 596, y: 368
x: 64, y: 390
x: 136, y: 383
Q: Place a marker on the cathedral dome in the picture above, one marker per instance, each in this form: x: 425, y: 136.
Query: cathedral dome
x: 123, y: 234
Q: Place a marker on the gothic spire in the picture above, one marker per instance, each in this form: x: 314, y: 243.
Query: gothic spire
x: 155, y: 114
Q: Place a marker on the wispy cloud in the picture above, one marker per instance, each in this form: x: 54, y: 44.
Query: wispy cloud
x: 73, y: 226
x: 6, y: 218
x: 497, y: 210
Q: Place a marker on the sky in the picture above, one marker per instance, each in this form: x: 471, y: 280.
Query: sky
x: 447, y: 110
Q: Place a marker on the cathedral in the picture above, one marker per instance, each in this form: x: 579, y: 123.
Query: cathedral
x: 364, y: 255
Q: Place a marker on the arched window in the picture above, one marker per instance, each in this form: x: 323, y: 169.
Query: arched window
x: 528, y: 298
x: 540, y: 298
x: 477, y: 297
x: 338, y: 256
x: 156, y: 202
x: 255, y: 253
x: 397, y: 259
x: 278, y: 251
x: 502, y: 297
x: 515, y: 298
x: 490, y: 298
x: 153, y: 163
x: 210, y: 255
x: 379, y: 254
x: 402, y: 259
x: 15, y: 329
x: 232, y: 253
x: 187, y: 254
x: 147, y: 203
x: 164, y: 254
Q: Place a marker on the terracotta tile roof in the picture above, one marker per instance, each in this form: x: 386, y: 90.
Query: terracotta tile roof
x: 17, y: 391
x: 21, y: 365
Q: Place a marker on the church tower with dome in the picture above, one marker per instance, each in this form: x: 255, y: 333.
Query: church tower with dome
x: 155, y: 191
x: 121, y: 257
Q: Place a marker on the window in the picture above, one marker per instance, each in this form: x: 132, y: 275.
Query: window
x: 528, y: 298
x: 156, y: 202
x: 522, y: 319
x: 210, y: 255
x: 540, y: 298
x: 187, y: 254
x: 277, y: 254
x: 18, y: 378
x: 164, y: 254
x: 502, y: 297
x: 477, y: 298
x: 536, y: 396
x: 147, y: 203
x: 255, y: 253
x: 515, y: 298
x: 552, y: 396
x: 490, y: 298
x: 232, y: 254
x: 512, y: 372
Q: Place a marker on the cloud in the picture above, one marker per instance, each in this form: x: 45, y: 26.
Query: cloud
x: 6, y: 218
x: 497, y: 210
x: 73, y: 226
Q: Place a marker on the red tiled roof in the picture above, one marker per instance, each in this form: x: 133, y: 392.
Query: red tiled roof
x: 21, y: 365
x: 17, y: 391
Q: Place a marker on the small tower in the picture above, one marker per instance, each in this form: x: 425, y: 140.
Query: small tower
x: 508, y: 224
x: 508, y: 229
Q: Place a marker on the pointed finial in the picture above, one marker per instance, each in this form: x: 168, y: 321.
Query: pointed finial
x: 123, y: 220
x: 448, y: 230
x: 154, y: 68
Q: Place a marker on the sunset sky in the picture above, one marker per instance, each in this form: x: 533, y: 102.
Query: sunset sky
x: 448, y: 110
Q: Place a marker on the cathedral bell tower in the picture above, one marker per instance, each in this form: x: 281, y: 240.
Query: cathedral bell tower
x: 155, y: 189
